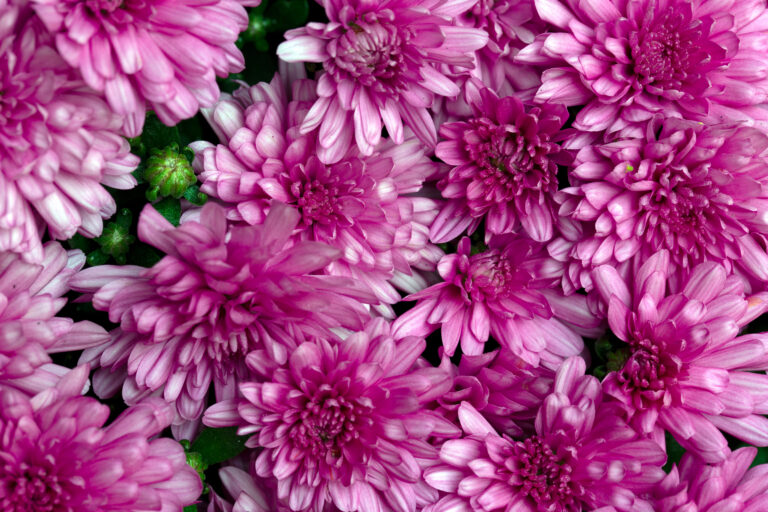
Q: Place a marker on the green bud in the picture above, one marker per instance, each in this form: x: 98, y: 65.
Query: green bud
x: 168, y: 173
x: 115, y: 240
x: 195, y: 460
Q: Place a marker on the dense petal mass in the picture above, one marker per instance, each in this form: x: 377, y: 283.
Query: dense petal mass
x: 695, y: 486
x: 343, y: 425
x: 504, y: 388
x: 698, y: 191
x: 582, y: 456
x: 627, y: 60
x: 57, y: 455
x: 508, y: 292
x: 384, y: 65
x: 161, y: 54
x: 30, y: 297
x: 365, y: 206
x: 686, y: 370
x: 503, y: 169
x: 511, y: 25
x: 59, y: 143
x: 219, y: 294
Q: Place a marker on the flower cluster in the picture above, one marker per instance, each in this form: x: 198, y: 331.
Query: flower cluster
x: 453, y: 256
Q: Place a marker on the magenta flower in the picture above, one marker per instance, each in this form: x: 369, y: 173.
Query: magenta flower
x: 694, y: 190
x: 507, y: 292
x: 30, y: 296
x: 343, y: 424
x: 219, y: 294
x: 504, y: 388
x: 687, y: 369
x: 58, y: 143
x: 503, y: 169
x: 583, y: 456
x: 163, y: 54
x: 628, y: 60
x: 383, y: 64
x: 729, y: 486
x: 364, y: 206
x: 58, y: 455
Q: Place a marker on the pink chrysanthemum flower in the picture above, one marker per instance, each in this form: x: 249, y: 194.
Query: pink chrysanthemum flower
x: 500, y: 385
x: 507, y: 292
x: 219, y: 294
x: 503, y: 169
x: 248, y: 494
x: 383, y: 64
x: 161, y: 54
x: 343, y: 424
x: 30, y: 296
x: 363, y: 206
x: 58, y: 143
x: 57, y: 455
x: 729, y: 486
x: 511, y: 25
x: 628, y: 60
x: 698, y: 191
x: 687, y: 370
x: 583, y: 456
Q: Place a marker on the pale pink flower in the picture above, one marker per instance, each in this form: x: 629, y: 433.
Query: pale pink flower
x: 58, y: 455
x: 508, y: 292
x: 687, y: 370
x: 731, y: 485
x: 220, y: 293
x: 583, y: 456
x: 626, y: 61
x: 699, y: 191
x: 383, y: 67
x: 158, y: 54
x: 31, y: 294
x: 248, y: 494
x: 343, y: 424
x: 365, y: 206
x: 58, y: 143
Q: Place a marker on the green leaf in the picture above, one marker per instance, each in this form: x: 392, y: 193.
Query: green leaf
x: 169, y: 208
x: 216, y: 445
x: 97, y: 257
x: 674, y: 452
x: 143, y: 255
x: 157, y: 135
x: 80, y: 242
x: 761, y: 457
x: 287, y: 14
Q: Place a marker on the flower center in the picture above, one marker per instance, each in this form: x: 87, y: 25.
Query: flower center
x: 371, y: 53
x: 682, y: 211
x: 506, y: 163
x: 669, y: 49
x: 492, y: 276
x: 33, y: 489
x: 328, y: 422
x: 104, y: 7
x: 544, y: 476
x: 318, y: 202
x: 648, y: 373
